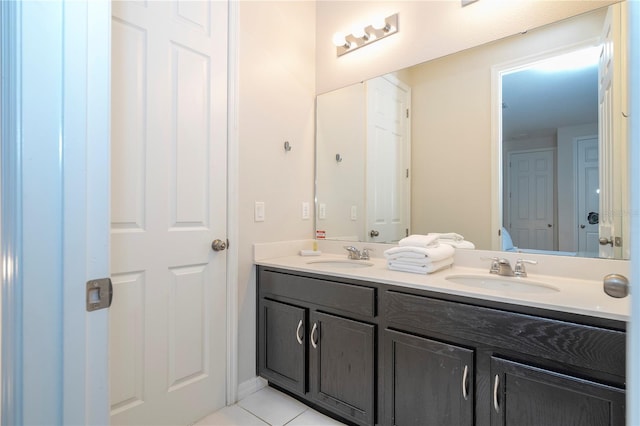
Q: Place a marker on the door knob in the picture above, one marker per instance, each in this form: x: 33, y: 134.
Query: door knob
x: 218, y: 245
x: 582, y: 226
x: 374, y: 233
x: 606, y: 241
x: 549, y: 225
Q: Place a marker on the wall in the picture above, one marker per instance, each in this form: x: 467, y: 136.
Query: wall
x: 276, y: 96
x: 451, y: 128
x: 423, y: 25
x: 341, y: 129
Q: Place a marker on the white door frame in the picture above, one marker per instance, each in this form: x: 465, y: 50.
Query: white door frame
x: 60, y: 51
x: 55, y: 191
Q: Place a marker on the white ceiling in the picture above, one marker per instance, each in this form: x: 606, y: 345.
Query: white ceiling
x: 536, y: 103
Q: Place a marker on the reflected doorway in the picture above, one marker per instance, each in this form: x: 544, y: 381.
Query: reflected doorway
x: 547, y: 107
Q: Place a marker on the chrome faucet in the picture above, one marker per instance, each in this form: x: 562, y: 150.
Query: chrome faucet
x: 500, y: 266
x: 355, y: 254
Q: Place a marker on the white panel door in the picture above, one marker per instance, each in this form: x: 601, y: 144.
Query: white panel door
x: 588, y: 195
x: 531, y: 199
x: 168, y: 318
x: 388, y: 159
x: 612, y: 137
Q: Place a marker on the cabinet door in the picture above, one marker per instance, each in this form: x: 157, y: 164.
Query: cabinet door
x: 523, y: 395
x: 427, y: 382
x: 281, y: 345
x: 342, y: 367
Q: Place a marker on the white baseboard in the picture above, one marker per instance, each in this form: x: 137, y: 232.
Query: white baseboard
x: 250, y: 386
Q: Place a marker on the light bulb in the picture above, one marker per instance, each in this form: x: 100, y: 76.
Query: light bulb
x: 380, y: 23
x: 340, y: 40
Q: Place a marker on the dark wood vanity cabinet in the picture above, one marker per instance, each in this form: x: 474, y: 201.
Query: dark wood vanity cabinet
x: 379, y: 354
x: 526, y: 395
x: 427, y: 382
x: 317, y: 339
x: 529, y: 369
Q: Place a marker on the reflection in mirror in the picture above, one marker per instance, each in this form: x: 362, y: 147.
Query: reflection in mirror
x: 550, y: 155
x: 454, y: 160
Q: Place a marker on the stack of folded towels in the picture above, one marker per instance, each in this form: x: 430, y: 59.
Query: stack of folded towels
x: 453, y: 239
x: 420, y: 254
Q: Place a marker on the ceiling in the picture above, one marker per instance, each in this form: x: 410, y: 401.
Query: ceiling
x: 536, y: 103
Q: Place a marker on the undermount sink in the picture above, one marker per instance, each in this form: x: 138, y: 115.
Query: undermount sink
x: 506, y: 284
x: 341, y: 263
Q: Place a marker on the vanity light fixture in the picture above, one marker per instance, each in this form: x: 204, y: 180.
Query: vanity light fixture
x: 362, y: 36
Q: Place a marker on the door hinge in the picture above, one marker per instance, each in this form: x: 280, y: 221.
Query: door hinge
x: 99, y: 294
x: 406, y: 232
x: 407, y: 112
x: 407, y: 173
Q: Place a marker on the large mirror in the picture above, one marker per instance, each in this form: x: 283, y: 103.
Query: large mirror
x: 431, y: 148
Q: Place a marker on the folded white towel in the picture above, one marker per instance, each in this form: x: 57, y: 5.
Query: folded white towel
x: 425, y: 269
x: 419, y: 241
x: 447, y: 236
x: 464, y: 244
x: 432, y: 253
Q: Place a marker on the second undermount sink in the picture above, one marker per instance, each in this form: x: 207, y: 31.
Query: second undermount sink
x: 506, y: 284
x: 341, y: 263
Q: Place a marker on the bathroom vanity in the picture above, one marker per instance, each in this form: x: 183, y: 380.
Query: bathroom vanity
x: 373, y: 346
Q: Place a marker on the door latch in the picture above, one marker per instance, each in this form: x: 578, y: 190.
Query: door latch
x: 99, y: 294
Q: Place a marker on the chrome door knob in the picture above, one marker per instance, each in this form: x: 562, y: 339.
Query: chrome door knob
x: 218, y: 245
x: 606, y: 241
x: 374, y: 233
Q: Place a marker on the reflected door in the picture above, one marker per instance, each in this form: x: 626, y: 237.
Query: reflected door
x: 387, y: 175
x: 167, y: 321
x: 531, y: 199
x: 588, y: 196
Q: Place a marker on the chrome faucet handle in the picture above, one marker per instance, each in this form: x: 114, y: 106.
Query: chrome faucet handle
x: 495, y: 265
x: 354, y: 253
x: 365, y: 253
x: 519, y: 270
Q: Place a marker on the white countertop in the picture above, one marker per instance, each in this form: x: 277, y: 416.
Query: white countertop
x: 576, y: 295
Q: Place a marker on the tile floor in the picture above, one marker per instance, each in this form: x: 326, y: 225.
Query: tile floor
x: 267, y: 407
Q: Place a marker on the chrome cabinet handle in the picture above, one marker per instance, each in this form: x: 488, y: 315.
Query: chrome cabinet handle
x: 496, y: 383
x: 298, y: 338
x: 465, y: 377
x: 314, y: 342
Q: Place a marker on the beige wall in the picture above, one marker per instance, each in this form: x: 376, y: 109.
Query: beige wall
x: 427, y: 30
x: 341, y: 129
x: 276, y: 104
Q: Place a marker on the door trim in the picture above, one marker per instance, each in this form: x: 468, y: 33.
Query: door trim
x: 233, y: 233
x: 11, y: 215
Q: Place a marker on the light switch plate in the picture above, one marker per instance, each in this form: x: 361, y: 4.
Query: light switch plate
x: 322, y: 211
x: 258, y: 214
x: 305, y: 210
x: 354, y: 212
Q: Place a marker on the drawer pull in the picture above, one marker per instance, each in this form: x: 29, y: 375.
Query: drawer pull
x: 298, y: 338
x: 465, y: 384
x: 496, y: 384
x: 314, y: 342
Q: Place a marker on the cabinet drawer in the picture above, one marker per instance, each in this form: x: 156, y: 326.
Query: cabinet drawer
x: 579, y: 345
x: 344, y: 297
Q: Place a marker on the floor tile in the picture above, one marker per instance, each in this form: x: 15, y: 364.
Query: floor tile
x: 231, y: 416
x: 313, y: 418
x: 272, y: 406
